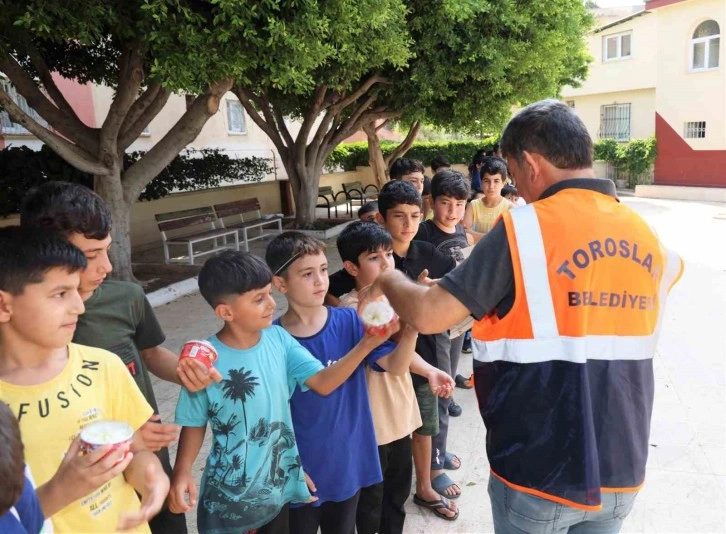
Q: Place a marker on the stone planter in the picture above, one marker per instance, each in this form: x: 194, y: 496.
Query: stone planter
x: 621, y: 184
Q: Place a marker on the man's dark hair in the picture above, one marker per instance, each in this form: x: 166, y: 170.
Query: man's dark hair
x: 289, y: 246
x: 66, y: 208
x: 232, y: 273
x: 367, y: 208
x: 438, y: 162
x: 549, y: 128
x: 362, y: 237
x: 397, y: 192
x: 12, y: 462
x: 403, y: 166
x: 493, y: 165
x: 509, y: 190
x: 450, y: 183
x: 29, y: 253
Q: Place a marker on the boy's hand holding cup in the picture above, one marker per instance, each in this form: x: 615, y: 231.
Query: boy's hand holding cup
x: 196, y: 365
x: 379, y: 319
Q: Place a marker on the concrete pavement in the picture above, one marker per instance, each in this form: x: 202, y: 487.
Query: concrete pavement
x: 685, y: 488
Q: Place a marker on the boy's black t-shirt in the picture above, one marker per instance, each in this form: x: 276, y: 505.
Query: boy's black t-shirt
x: 449, y: 244
x: 423, y: 255
x: 341, y: 282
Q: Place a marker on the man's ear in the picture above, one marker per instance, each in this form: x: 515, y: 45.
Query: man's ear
x: 351, y: 267
x: 533, y: 163
x: 224, y: 312
x: 5, y: 307
x: 279, y: 283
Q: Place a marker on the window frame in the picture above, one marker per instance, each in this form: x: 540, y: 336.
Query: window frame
x: 620, y: 56
x: 692, y: 42
x: 15, y: 128
x: 243, y: 130
x: 602, y: 116
x: 694, y: 127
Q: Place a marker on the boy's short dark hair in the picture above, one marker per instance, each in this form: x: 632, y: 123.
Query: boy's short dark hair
x: 361, y: 237
x: 397, y: 192
x: 12, y: 462
x: 438, y: 162
x: 403, y: 166
x: 493, y: 165
x: 66, y: 208
x: 367, y: 208
x: 450, y: 183
x: 232, y: 273
x: 509, y: 190
x: 29, y: 253
x: 289, y: 246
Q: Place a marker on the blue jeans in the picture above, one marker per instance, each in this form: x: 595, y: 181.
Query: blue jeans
x: 516, y: 512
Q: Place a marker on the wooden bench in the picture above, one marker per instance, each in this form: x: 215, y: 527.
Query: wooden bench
x: 246, y: 215
x: 333, y: 200
x: 191, y: 227
x: 359, y: 193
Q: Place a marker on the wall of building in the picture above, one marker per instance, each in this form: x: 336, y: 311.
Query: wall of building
x: 636, y: 72
x: 685, y: 96
x: 642, y: 110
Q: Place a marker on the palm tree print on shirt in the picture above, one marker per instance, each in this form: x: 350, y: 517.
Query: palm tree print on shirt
x: 239, y: 387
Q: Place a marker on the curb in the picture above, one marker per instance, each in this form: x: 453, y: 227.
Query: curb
x: 170, y: 293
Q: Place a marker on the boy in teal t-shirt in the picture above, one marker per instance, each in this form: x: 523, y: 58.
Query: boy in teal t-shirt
x: 253, y: 469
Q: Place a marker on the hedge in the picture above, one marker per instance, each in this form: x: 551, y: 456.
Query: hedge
x: 634, y: 157
x: 352, y: 155
x: 21, y: 169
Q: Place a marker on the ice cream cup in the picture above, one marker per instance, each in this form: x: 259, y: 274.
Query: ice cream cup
x: 199, y: 350
x: 101, y: 433
x: 377, y: 316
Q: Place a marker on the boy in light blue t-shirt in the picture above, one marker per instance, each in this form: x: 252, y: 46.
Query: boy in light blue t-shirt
x: 335, y: 434
x: 253, y: 469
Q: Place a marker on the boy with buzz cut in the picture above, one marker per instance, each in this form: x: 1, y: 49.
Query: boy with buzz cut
x: 399, y: 207
x: 366, y: 249
x: 335, y: 434
x: 55, y: 388
x: 118, y: 315
x: 253, y: 469
x: 450, y: 191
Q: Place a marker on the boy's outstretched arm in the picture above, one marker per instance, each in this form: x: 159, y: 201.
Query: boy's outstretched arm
x: 329, y: 379
x: 147, y: 477
x: 441, y: 384
x: 182, y: 481
x: 398, y: 360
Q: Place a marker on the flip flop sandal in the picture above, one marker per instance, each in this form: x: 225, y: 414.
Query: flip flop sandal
x: 449, y: 461
x: 454, y: 409
x: 436, y: 507
x: 441, y: 483
x: 463, y: 382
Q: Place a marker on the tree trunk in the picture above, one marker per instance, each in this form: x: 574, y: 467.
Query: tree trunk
x: 110, y: 190
x: 375, y: 155
x: 305, y: 182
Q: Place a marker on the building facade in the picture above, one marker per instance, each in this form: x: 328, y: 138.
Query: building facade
x: 660, y: 72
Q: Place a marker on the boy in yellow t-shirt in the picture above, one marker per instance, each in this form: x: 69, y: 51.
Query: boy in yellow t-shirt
x: 55, y: 388
x: 482, y: 213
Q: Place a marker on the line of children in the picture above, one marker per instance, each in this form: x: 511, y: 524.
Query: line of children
x: 55, y: 387
x: 366, y: 249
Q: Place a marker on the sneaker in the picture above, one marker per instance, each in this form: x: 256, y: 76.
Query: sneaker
x: 466, y: 349
x: 454, y: 409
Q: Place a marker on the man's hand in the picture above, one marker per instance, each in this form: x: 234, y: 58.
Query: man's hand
x: 153, y: 495
x: 440, y: 383
x: 195, y: 376
x: 80, y: 474
x: 183, y: 493
x: 156, y: 436
x: 311, y: 487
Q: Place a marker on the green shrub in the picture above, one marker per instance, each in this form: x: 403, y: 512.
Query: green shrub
x: 636, y: 157
x: 351, y: 155
x: 606, y: 150
x: 21, y: 169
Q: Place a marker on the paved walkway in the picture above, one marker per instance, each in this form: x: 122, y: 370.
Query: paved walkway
x: 685, y: 490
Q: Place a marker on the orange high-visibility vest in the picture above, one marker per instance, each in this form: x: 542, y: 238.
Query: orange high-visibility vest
x: 565, y: 379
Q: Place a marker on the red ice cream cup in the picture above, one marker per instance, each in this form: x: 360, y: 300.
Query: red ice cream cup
x: 101, y: 433
x: 377, y: 316
x: 199, y: 350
